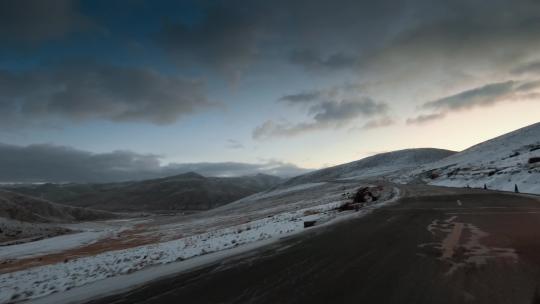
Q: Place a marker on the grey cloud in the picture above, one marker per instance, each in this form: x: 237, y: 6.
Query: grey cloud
x: 461, y: 35
x: 325, y: 115
x: 328, y: 108
x: 234, y: 144
x: 378, y: 123
x: 226, y: 39
x: 314, y: 61
x: 302, y: 97
x: 531, y: 67
x: 483, y: 96
x: 331, y: 111
x: 424, y: 118
x: 92, y: 91
x: 51, y: 163
x: 344, y: 90
x: 26, y: 23
x: 231, y: 36
x: 358, y: 34
x: 271, y: 129
x: 528, y: 86
x: 45, y: 162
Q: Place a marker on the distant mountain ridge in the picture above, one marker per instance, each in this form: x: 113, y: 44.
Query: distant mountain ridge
x: 183, y: 192
x: 501, y: 163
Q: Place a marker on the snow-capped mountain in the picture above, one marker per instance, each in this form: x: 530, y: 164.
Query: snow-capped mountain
x: 374, y: 166
x: 500, y: 163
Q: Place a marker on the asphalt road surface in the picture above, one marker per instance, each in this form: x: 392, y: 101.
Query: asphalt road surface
x: 434, y: 246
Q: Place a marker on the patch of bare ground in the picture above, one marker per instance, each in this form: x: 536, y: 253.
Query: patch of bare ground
x: 126, y: 239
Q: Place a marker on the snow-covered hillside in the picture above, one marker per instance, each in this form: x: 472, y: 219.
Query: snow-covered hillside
x: 500, y: 163
x: 374, y: 166
x: 272, y: 215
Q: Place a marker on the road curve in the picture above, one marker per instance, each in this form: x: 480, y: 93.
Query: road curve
x: 437, y: 245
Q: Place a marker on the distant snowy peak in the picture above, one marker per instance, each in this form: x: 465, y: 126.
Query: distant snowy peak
x: 374, y: 166
x: 501, y: 163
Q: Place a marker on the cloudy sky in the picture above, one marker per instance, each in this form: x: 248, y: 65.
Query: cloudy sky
x: 122, y: 88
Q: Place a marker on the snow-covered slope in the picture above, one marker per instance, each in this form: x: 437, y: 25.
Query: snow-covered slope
x: 258, y: 218
x: 500, y: 163
x: 374, y: 166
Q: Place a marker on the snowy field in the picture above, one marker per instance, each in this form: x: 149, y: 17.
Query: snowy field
x: 270, y: 220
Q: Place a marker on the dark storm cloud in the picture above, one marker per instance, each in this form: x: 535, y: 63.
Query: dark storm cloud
x: 93, y: 91
x: 226, y: 39
x: 46, y: 162
x: 26, y: 23
x: 233, y: 34
x: 318, y: 35
x: 51, y: 163
x: 345, y: 34
x: 324, y: 115
x: 233, y: 37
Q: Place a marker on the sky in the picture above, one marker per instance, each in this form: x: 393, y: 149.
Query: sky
x: 113, y: 90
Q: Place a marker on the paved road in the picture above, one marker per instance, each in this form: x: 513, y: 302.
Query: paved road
x: 434, y: 246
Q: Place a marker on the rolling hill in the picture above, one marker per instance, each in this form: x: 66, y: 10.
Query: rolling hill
x: 24, y: 218
x: 184, y: 192
x: 25, y: 208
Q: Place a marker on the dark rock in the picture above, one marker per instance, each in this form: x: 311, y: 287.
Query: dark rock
x: 309, y: 224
